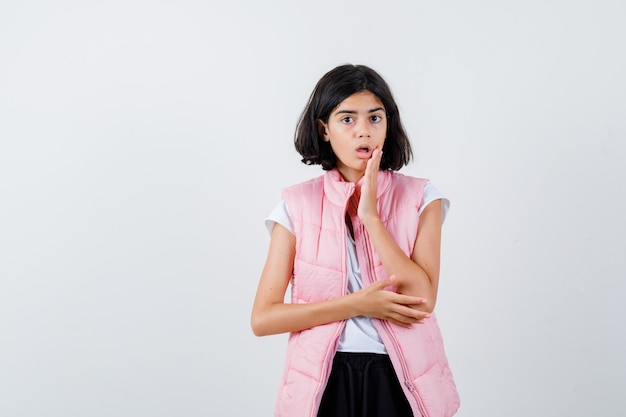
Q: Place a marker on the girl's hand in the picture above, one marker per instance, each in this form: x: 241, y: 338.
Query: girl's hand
x: 367, y: 202
x: 375, y: 301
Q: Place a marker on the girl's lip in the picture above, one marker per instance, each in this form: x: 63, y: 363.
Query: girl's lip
x: 364, y: 151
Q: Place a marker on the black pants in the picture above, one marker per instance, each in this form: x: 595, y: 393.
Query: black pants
x: 363, y: 385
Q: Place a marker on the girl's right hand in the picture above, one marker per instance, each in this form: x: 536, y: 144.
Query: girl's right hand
x: 400, y: 309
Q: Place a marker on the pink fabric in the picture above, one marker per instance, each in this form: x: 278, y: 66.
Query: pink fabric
x: 318, y: 208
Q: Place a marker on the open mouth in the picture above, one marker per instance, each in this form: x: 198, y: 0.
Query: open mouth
x: 364, y: 151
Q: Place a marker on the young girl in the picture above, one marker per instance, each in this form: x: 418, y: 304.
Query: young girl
x: 363, y: 340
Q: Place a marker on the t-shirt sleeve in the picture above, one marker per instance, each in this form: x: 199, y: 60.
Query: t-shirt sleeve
x: 431, y: 193
x: 279, y: 215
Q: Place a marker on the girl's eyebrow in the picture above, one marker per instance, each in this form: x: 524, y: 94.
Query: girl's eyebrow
x: 355, y: 112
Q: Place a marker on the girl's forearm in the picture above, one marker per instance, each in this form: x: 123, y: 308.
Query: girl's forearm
x: 284, y: 318
x: 411, y: 278
x: 372, y: 301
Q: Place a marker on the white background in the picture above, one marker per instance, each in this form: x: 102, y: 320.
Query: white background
x: 142, y: 143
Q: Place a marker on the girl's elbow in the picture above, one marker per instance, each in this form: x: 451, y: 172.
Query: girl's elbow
x: 429, y: 307
x: 258, y: 331
x: 257, y: 325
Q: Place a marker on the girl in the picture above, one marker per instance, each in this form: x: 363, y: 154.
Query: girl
x: 363, y: 340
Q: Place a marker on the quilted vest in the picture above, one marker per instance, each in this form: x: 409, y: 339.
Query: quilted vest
x: 318, y: 208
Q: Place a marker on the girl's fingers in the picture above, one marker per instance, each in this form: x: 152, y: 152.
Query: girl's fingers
x: 367, y: 203
x: 412, y: 314
x: 383, y: 283
x: 409, y: 300
x: 404, y: 321
x: 373, y: 163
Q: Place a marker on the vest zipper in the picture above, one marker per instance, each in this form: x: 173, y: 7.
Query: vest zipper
x: 387, y: 327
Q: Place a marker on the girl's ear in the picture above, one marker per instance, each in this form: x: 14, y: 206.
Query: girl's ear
x: 322, y: 129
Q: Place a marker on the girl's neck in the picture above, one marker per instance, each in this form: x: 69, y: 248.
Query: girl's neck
x: 353, y: 178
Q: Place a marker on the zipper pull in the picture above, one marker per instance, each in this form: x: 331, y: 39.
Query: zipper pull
x: 409, y: 385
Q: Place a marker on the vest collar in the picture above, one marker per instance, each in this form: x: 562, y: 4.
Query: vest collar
x: 339, y: 190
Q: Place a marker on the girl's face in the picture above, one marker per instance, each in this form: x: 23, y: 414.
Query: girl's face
x: 356, y: 127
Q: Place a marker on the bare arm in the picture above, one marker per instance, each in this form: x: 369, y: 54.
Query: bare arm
x: 419, y: 274
x: 271, y: 315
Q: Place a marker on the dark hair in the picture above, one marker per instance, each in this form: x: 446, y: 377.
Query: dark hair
x: 334, y: 87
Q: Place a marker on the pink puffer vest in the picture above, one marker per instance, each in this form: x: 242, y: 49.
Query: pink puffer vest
x: 317, y: 208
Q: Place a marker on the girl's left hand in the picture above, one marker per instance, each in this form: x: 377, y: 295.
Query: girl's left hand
x: 367, y: 203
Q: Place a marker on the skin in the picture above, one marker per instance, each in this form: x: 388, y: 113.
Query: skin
x: 356, y: 130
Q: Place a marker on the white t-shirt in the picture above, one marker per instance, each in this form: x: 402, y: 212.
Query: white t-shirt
x: 359, y: 334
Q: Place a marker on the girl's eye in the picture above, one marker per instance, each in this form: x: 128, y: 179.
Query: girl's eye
x: 376, y: 118
x: 347, y: 119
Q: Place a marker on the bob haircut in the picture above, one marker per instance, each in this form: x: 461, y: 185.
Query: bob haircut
x: 333, y: 88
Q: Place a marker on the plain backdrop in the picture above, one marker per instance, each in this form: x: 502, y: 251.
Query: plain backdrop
x: 142, y: 144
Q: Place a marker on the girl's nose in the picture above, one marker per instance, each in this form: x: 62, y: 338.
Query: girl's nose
x: 363, y: 128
